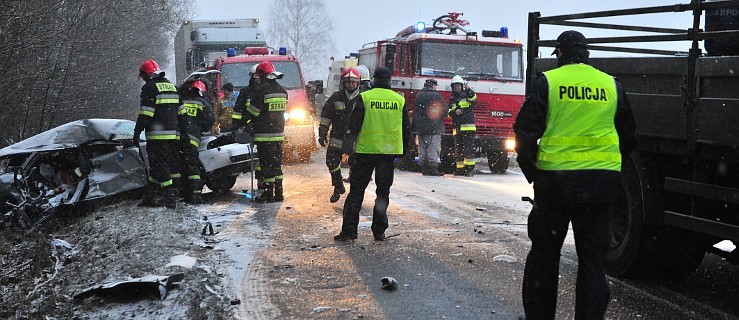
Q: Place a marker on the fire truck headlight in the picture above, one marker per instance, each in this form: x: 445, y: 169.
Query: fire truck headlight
x: 510, y: 144
x: 296, y: 115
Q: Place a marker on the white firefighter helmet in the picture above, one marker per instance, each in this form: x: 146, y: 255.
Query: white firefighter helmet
x: 364, y: 74
x: 458, y: 79
x: 253, y: 72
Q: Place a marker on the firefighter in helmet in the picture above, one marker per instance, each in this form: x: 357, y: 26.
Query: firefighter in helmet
x: 195, y: 116
x: 158, y: 120
x: 461, y: 102
x: 334, y: 114
x: 364, y: 78
x: 243, y: 123
x: 267, y: 115
x: 243, y: 101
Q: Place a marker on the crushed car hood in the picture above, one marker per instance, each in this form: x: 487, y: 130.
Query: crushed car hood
x: 72, y: 135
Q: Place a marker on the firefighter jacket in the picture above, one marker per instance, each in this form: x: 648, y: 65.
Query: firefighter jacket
x: 429, y: 112
x: 464, y: 101
x: 243, y: 101
x: 574, y: 182
x: 380, y: 122
x: 335, y: 114
x: 158, y: 111
x: 195, y: 115
x: 267, y: 112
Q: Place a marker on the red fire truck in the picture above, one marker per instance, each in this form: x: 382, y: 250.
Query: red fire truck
x: 490, y: 62
x: 300, y: 114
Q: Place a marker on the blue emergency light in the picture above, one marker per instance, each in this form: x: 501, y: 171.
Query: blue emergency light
x: 503, y: 32
x: 231, y: 52
x: 421, y: 26
x: 283, y: 51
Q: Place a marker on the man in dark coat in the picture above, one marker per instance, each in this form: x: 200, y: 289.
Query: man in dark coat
x: 428, y: 122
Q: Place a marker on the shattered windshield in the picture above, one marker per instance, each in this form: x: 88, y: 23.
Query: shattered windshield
x: 238, y: 74
x: 481, y: 61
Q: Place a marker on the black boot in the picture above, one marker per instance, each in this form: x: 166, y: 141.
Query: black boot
x: 346, y: 236
x: 170, y: 197
x: 469, y: 170
x: 459, y: 171
x: 149, y: 199
x: 425, y: 168
x: 267, y: 195
x: 433, y: 170
x: 338, y: 184
x: 278, y: 191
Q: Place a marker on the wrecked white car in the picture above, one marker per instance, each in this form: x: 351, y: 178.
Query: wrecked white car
x: 91, y: 159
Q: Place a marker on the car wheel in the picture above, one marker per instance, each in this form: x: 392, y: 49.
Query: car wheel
x: 639, y: 250
x: 498, y: 161
x: 221, y: 184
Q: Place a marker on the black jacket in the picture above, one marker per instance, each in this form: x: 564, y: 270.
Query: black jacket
x: 158, y: 111
x: 429, y: 112
x: 195, y: 117
x: 574, y: 186
x: 335, y: 114
x: 467, y: 116
x: 243, y: 101
x: 267, y: 122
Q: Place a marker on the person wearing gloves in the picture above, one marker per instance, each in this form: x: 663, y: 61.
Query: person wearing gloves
x: 334, y: 115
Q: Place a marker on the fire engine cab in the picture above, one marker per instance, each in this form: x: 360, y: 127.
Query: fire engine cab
x: 490, y: 62
x: 300, y: 114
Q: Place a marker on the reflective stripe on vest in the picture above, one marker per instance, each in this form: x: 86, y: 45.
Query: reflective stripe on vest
x: 162, y: 135
x: 146, y: 111
x: 269, y: 137
x: 382, y: 129
x: 167, y: 98
x: 580, y: 131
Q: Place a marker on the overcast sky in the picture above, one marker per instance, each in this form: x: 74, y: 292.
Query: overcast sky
x: 360, y: 22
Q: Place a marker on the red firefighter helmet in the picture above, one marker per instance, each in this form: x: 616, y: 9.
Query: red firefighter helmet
x: 148, y: 67
x: 200, y: 87
x: 265, y: 68
x: 350, y: 74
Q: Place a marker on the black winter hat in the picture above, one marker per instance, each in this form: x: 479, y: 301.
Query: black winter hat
x: 570, y: 39
x: 431, y: 82
x: 383, y: 73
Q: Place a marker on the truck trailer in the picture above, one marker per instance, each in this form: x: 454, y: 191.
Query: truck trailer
x: 199, y: 43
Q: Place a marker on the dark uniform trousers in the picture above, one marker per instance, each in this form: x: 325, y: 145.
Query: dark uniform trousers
x: 547, y: 228
x: 161, y: 154
x: 362, y: 167
x: 333, y: 162
x: 464, y: 147
x: 270, y: 160
x: 191, y: 167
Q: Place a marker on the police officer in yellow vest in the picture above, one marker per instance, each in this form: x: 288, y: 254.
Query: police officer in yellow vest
x: 584, y: 126
x: 380, y: 123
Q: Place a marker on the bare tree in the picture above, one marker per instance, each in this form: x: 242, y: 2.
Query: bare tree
x: 73, y: 59
x: 304, y: 27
